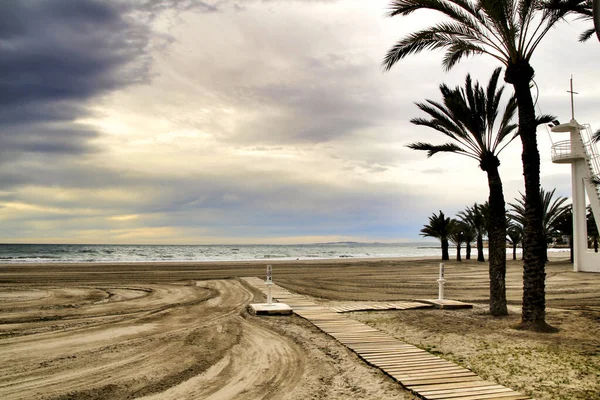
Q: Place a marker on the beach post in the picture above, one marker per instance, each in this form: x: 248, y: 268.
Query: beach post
x: 269, y: 284
x: 441, y: 283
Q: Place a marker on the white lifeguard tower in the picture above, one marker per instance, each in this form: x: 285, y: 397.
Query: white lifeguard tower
x: 580, y: 152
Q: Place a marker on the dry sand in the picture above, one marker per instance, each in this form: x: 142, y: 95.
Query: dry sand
x: 181, y: 331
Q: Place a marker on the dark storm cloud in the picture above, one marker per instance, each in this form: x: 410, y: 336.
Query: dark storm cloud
x: 67, y: 50
x: 54, y: 57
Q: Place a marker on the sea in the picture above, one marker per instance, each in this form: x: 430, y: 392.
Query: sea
x: 103, y: 253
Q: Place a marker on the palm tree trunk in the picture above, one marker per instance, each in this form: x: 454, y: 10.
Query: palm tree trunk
x: 458, y: 258
x: 514, y: 251
x: 596, y: 15
x: 468, y: 251
x: 480, y: 256
x: 572, y: 256
x: 533, y: 314
x: 497, y: 243
x: 445, y: 254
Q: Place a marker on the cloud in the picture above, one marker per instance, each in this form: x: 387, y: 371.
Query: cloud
x: 56, y: 57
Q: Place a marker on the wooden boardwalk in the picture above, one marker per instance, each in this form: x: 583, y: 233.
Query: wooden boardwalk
x: 426, y: 375
x: 398, y: 305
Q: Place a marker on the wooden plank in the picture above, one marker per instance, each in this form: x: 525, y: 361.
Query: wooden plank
x: 427, y: 369
x: 396, y: 349
x: 372, y: 336
x: 500, y: 396
x: 370, y: 349
x: 470, y: 384
x: 364, y: 336
x: 394, y: 346
x: 416, y: 357
x: 433, y: 375
x: 400, y: 352
x: 400, y: 363
x: 450, y: 388
x: 471, y: 392
x: 401, y: 356
x: 397, y: 355
x: 410, y: 383
x: 401, y: 359
x: 416, y: 366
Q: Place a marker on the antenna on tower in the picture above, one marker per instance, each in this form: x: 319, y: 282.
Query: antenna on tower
x: 572, y: 102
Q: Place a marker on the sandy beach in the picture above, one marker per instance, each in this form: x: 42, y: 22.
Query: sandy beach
x: 182, y: 331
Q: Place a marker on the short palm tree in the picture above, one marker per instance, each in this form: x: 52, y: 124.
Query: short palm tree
x: 592, y: 229
x: 553, y: 211
x: 509, y: 31
x: 564, y: 226
x: 470, y: 236
x: 515, y: 236
x: 468, y: 117
x: 474, y: 217
x: 457, y: 236
x: 439, y: 227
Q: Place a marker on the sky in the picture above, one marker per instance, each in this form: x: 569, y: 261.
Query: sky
x: 243, y: 121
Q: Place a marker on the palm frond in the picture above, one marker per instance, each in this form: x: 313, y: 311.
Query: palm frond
x: 442, y: 36
x: 433, y: 149
x: 544, y: 119
x: 553, y: 210
x: 467, y: 116
x: 439, y: 227
x: 413, y: 44
x: 585, y: 35
x: 552, y: 11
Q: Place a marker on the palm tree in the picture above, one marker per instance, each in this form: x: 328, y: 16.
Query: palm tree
x: 564, y: 225
x: 509, y: 31
x: 457, y: 236
x: 470, y: 236
x: 468, y: 117
x: 553, y: 212
x: 515, y: 236
x: 592, y: 229
x: 473, y: 216
x: 439, y: 227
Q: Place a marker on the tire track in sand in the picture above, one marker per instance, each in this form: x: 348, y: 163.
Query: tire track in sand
x: 194, y: 349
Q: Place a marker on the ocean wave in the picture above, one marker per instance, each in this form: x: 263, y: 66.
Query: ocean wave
x: 202, y: 253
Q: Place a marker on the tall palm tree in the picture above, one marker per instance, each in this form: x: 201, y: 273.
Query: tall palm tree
x: 474, y: 217
x: 509, y: 31
x: 439, y: 227
x: 468, y: 117
x: 553, y: 211
x: 515, y: 236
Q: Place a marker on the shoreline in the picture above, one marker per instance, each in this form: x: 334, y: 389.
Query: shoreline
x: 552, y: 255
